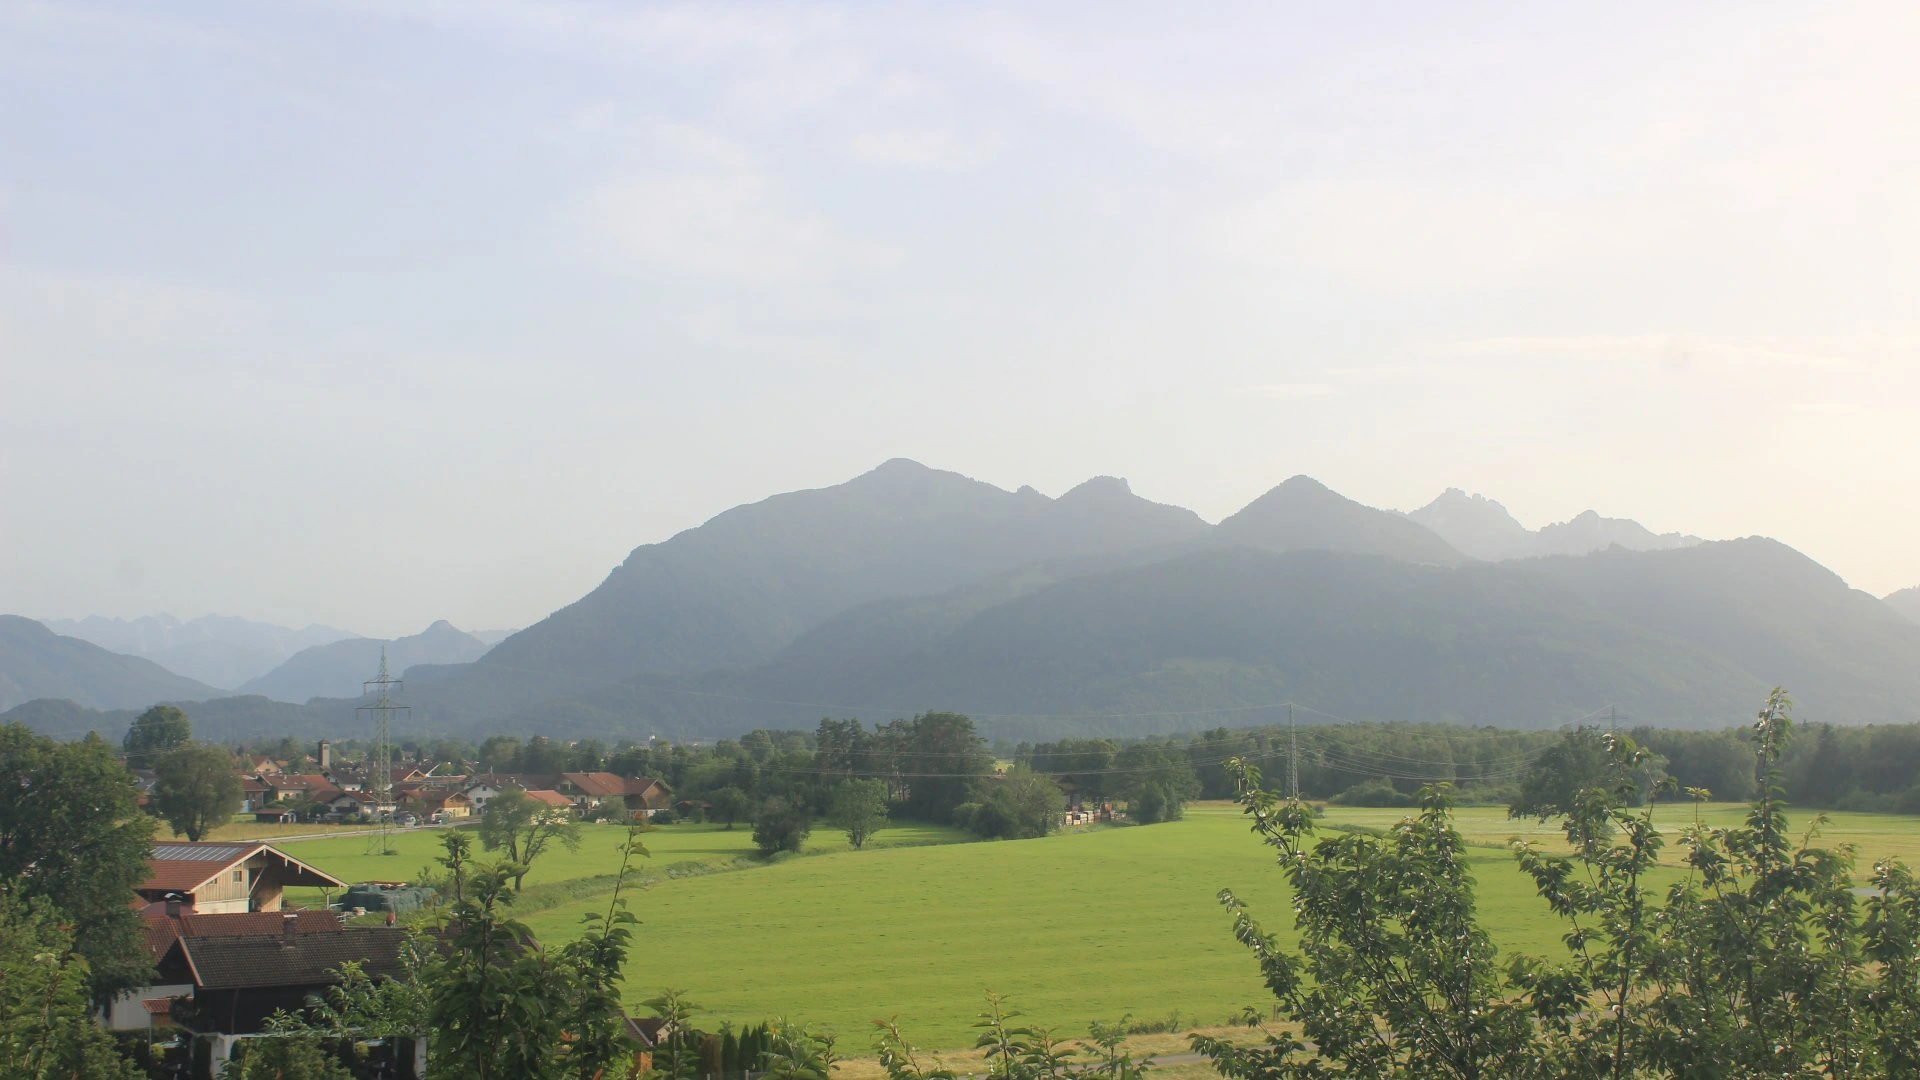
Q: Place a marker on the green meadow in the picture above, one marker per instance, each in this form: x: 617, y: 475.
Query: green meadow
x: 1071, y: 928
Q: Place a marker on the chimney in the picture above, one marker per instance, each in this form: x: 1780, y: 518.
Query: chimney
x: 325, y: 755
x: 174, y: 900
x: 287, y: 921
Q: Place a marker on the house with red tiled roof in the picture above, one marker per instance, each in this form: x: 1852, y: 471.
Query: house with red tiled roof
x: 592, y: 790
x: 255, y: 794
x: 167, y: 923
x: 311, y: 787
x: 217, y: 878
x: 435, y: 800
x: 356, y: 804
x: 484, y: 786
x: 229, y: 985
x: 551, y: 798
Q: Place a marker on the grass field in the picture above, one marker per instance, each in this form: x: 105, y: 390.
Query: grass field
x: 349, y: 857
x: 243, y: 827
x: 1072, y: 928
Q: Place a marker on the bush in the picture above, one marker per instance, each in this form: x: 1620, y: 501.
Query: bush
x: 963, y: 814
x: 1019, y: 805
x: 664, y: 817
x: 1862, y: 802
x: 1376, y: 792
x: 780, y: 826
x: 993, y: 821
x: 1154, y: 804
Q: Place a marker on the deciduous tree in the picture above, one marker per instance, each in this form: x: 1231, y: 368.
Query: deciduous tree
x: 524, y: 828
x: 1020, y: 805
x: 859, y: 809
x: 196, y: 789
x: 72, y: 835
x: 1762, y: 961
x: 728, y: 804
x: 47, y: 1028
x: 780, y: 826
x: 155, y: 732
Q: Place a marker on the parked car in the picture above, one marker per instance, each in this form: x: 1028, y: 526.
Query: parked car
x: 406, y: 821
x: 437, y: 818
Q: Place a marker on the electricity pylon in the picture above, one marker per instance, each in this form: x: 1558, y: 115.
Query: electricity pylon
x: 380, y: 758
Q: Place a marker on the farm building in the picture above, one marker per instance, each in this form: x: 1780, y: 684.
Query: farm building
x: 219, y: 878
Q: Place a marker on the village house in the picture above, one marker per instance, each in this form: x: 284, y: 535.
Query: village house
x: 479, y: 789
x: 255, y: 793
x: 303, y: 787
x: 238, y: 982
x: 552, y: 800
x: 356, y: 804
x: 168, y: 922
x: 217, y: 878
x: 634, y: 796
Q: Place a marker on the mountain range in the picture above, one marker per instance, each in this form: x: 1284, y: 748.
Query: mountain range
x: 218, y: 650
x: 340, y: 668
x: 909, y: 588
x: 1482, y: 528
x: 35, y: 662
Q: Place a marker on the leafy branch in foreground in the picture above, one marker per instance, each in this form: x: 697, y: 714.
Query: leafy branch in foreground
x: 1760, y: 961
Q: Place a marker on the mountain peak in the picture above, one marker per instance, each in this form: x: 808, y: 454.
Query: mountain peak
x: 1301, y: 482
x: 1475, y: 524
x: 1303, y: 513
x: 1099, y: 487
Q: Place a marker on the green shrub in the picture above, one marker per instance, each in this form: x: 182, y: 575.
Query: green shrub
x: 1376, y: 792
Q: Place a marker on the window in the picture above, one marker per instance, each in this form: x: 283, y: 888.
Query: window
x: 239, y: 877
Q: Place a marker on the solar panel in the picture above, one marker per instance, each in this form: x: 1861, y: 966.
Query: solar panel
x: 199, y: 852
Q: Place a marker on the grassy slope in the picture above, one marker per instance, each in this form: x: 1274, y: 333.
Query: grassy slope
x: 1072, y: 928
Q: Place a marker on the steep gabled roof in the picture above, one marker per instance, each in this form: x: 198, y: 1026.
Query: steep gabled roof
x: 242, y: 963
x: 597, y: 784
x: 180, y: 866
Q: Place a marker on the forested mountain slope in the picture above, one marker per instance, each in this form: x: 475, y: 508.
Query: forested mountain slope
x: 35, y: 662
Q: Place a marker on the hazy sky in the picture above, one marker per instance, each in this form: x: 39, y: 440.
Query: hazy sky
x: 372, y: 313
